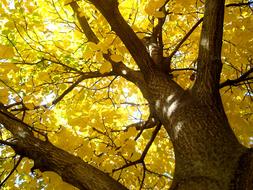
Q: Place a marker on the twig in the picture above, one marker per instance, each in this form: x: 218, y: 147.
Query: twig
x: 239, y: 4
x: 145, y: 151
x: 6, y: 143
x: 243, y: 77
x: 168, y: 59
x: 12, y: 171
x: 184, y: 69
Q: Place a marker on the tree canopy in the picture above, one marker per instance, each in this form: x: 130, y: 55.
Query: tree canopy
x: 71, y: 81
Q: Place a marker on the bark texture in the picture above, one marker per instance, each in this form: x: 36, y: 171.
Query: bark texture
x: 208, y: 155
x: 206, y: 150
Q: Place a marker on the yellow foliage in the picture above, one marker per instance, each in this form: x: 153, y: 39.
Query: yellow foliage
x: 55, y: 182
x: 93, y: 46
x: 66, y: 2
x: 153, y: 5
x: 48, y: 52
x: 116, y: 58
x: 105, y: 68
x: 6, y: 52
x: 30, y: 106
x: 4, y: 95
x: 158, y: 14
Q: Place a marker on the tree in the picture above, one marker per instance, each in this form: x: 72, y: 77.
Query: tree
x: 126, y: 94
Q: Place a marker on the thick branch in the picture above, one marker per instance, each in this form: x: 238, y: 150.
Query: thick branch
x: 109, y: 9
x: 157, y: 38
x: 118, y: 68
x: 47, y: 157
x: 84, y: 24
x: 206, y: 87
x: 6, y: 143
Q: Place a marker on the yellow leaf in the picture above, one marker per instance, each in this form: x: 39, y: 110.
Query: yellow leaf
x: 78, y: 34
x: 30, y: 106
x: 104, y: 47
x: 108, y: 165
x: 4, y: 95
x: 8, y: 66
x: 30, y: 8
x: 102, y: 148
x: 5, y: 3
x: 62, y: 86
x: 132, y: 131
x: 105, y: 68
x: 158, y: 14
x: 99, y: 56
x: 6, y: 52
x: 44, y: 76
x: 77, y: 121
x: 27, y: 99
x: 129, y: 147
x: 88, y: 54
x: 116, y: 58
x: 153, y: 5
x: 66, y: 2
x: 82, y: 14
x: 149, y: 10
x: 93, y: 46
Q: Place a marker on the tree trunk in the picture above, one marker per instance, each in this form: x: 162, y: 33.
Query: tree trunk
x: 206, y: 149
x: 207, y: 153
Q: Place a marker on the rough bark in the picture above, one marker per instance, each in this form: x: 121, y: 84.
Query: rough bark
x: 206, y: 87
x: 206, y: 149
x: 243, y: 178
x: 110, y: 11
x: 208, y: 155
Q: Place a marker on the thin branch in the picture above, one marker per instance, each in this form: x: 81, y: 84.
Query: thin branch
x: 13, y: 105
x: 133, y: 104
x: 63, y: 65
x: 242, y: 78
x: 143, y: 176
x: 160, y: 175
x: 158, y: 35
x: 87, y: 75
x: 6, y: 143
x: 8, y: 118
x: 155, y: 132
x: 145, y: 151
x: 168, y: 59
x: 12, y: 171
x: 69, y: 89
x: 150, y: 123
x: 240, y: 4
x: 184, y: 69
